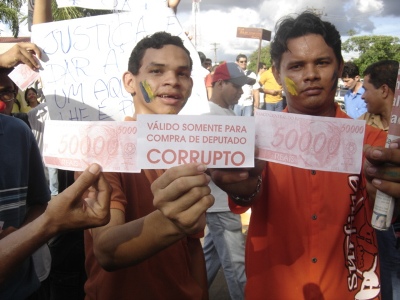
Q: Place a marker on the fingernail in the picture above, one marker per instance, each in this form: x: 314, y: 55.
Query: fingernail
x: 376, y: 181
x: 377, y: 153
x: 94, y: 169
x: 371, y: 170
x: 208, y: 178
x: 394, y: 145
x: 201, y: 168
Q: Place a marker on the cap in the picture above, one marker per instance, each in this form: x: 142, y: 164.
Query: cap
x: 230, y: 71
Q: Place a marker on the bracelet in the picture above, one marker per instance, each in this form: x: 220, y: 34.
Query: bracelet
x: 252, y: 196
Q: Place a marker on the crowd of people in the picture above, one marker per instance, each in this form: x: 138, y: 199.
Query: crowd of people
x: 309, y: 235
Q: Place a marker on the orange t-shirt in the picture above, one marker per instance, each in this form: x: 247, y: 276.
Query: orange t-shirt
x: 177, y: 272
x: 310, y: 235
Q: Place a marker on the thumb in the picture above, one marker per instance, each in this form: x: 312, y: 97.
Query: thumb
x: 84, y: 181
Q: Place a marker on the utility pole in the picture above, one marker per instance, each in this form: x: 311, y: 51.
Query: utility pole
x: 195, y: 13
x: 215, y: 52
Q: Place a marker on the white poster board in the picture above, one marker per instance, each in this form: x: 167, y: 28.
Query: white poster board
x: 84, y: 60
x: 125, y: 5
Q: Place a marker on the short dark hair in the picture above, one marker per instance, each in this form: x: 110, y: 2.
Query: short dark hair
x: 383, y: 72
x: 26, y: 93
x: 202, y: 56
x: 155, y: 41
x: 261, y: 65
x: 305, y: 23
x: 350, y: 70
x: 5, y: 72
x: 241, y: 56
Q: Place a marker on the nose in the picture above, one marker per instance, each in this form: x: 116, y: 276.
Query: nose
x: 171, y: 78
x: 311, y: 72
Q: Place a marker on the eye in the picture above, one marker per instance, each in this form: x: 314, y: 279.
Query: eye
x: 323, y: 63
x: 155, y: 71
x: 295, y: 67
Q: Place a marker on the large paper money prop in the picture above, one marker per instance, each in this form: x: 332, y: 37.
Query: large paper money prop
x: 85, y: 59
x: 216, y: 141
x: 160, y: 142
x: 75, y: 145
x: 315, y: 143
x: 384, y: 204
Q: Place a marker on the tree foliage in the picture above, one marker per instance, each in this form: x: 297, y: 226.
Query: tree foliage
x: 10, y: 13
x: 265, y: 57
x: 372, y: 48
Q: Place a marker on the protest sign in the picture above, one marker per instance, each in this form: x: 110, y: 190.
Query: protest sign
x: 125, y: 5
x: 216, y: 141
x: 84, y: 60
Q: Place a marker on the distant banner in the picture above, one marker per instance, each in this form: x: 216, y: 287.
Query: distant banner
x: 125, y: 5
x: 84, y: 60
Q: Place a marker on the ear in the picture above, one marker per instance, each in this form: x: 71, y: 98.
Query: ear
x: 129, y: 82
x: 277, y: 74
x: 385, y: 91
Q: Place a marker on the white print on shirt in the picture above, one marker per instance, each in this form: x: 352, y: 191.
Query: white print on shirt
x: 360, y: 251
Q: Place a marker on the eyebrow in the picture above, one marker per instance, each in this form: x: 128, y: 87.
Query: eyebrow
x: 153, y: 64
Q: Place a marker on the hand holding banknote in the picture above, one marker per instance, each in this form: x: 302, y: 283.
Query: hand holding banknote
x: 382, y: 169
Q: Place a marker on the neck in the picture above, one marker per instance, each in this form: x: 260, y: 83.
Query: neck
x: 219, y: 102
x: 357, y: 87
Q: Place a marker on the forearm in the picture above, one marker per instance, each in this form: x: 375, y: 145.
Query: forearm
x: 17, y: 246
x: 118, y: 246
x: 256, y: 97
x: 34, y: 212
x: 42, y: 12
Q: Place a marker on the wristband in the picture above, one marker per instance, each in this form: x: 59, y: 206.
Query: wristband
x: 252, y: 196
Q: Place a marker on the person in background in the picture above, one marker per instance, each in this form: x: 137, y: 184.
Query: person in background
x: 224, y: 241
x: 262, y: 67
x: 251, y: 95
x: 208, y: 82
x: 31, y: 97
x: 8, y: 98
x: 310, y: 235
x: 272, y: 91
x: 37, y: 118
x: 380, y: 85
x: 354, y: 104
x: 207, y: 64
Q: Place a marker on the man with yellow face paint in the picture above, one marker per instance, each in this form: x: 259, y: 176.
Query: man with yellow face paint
x: 310, y: 235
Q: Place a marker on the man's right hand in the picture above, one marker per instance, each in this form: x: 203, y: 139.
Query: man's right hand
x: 238, y: 182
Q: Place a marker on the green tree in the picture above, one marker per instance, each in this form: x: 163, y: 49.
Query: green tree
x: 10, y: 13
x: 372, y: 49
x: 264, y: 58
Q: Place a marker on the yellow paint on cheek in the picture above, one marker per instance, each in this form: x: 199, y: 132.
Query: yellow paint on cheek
x: 147, y: 92
x: 291, y: 86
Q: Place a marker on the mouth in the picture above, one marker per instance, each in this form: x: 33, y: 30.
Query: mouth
x: 171, y: 99
x: 312, y: 91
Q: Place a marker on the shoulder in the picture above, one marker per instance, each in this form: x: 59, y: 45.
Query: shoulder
x: 13, y: 124
x: 374, y: 136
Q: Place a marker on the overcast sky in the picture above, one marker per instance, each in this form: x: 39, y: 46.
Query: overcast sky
x: 218, y: 20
